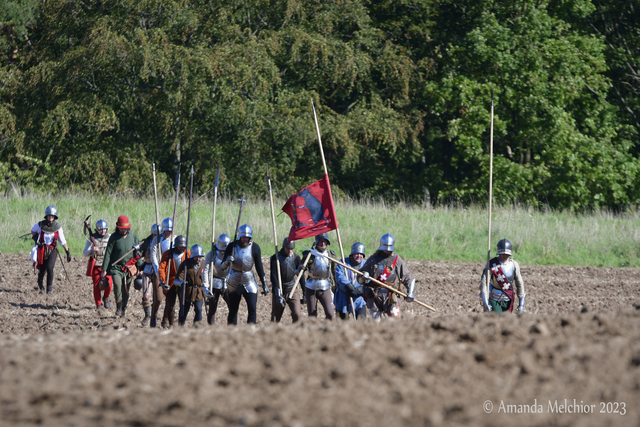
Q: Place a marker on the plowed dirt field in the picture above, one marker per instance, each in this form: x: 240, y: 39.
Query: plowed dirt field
x: 572, y: 360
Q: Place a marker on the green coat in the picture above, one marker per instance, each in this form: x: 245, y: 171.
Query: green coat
x: 118, y: 246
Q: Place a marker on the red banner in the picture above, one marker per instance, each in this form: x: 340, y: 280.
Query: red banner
x: 311, y: 210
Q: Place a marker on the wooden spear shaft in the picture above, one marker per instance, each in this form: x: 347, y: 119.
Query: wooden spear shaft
x: 490, y: 185
x: 299, y: 276
x: 155, y: 195
x: 275, y: 234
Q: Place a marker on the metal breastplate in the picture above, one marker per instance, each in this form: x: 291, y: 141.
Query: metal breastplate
x: 287, y: 268
x: 101, y: 246
x: 243, y: 259
x: 319, y: 272
x: 241, y: 271
x: 509, y: 270
x: 218, y: 271
x: 165, y: 244
x: 177, y: 260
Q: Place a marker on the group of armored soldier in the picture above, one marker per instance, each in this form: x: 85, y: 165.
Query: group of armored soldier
x: 164, y: 269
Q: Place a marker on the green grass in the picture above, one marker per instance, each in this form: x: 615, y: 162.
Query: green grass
x: 422, y: 232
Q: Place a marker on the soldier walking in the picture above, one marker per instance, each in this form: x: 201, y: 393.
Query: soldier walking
x: 150, y: 279
x: 289, y: 266
x: 189, y: 274
x: 167, y: 239
x: 122, y: 273
x: 219, y: 286
x: 348, y: 288
x: 177, y: 255
x: 319, y: 279
x: 95, y: 249
x: 505, y: 284
x: 386, y: 266
x: 47, y: 234
x: 243, y: 254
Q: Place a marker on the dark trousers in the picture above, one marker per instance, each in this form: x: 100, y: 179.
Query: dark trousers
x: 234, y: 305
x: 169, y: 306
x: 324, y: 297
x: 213, y: 305
x: 197, y: 307
x: 294, y: 305
x: 47, y: 267
x: 360, y: 314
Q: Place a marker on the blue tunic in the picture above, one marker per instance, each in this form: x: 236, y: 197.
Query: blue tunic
x: 343, y: 278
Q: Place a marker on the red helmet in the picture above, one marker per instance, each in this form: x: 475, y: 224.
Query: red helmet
x: 123, y: 222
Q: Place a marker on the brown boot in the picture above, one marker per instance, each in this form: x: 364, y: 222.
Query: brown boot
x: 119, y: 309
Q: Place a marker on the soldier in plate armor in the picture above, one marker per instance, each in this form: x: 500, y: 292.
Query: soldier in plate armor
x: 320, y: 273
x: 150, y: 279
x: 219, y: 286
x: 348, y: 287
x: 178, y: 254
x: 505, y: 284
x: 189, y: 274
x: 289, y: 266
x: 96, y: 251
x: 167, y: 239
x: 242, y: 255
x: 46, y: 234
x: 386, y: 266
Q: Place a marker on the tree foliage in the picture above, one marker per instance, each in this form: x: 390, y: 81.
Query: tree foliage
x: 101, y: 89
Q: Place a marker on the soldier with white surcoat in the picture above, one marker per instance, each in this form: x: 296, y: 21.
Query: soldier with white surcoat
x: 505, y: 284
x: 242, y: 255
x: 219, y: 286
x: 289, y: 267
x: 47, y: 234
x: 95, y: 249
x: 320, y: 273
x: 387, y: 267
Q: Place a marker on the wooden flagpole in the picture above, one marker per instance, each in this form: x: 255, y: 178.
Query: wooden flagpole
x: 324, y: 163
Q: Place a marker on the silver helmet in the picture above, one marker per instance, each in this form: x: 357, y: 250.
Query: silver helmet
x: 357, y: 248
x: 288, y: 244
x: 323, y: 236
x: 223, y: 242
x: 167, y: 224
x: 504, y: 247
x: 154, y: 228
x: 51, y: 210
x: 180, y: 241
x: 102, y: 225
x: 196, y: 250
x: 245, y: 231
x: 386, y: 243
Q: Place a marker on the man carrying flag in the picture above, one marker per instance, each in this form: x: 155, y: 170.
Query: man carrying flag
x: 386, y: 267
x: 312, y: 214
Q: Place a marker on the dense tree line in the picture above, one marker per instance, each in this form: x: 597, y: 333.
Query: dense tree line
x: 93, y: 92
